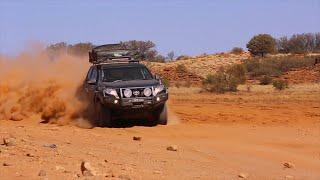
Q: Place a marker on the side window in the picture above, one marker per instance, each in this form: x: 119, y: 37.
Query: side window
x: 89, y: 73
x: 101, y: 75
x: 94, y: 74
x: 146, y: 73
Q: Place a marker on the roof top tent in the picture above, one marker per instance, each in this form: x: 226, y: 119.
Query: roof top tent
x: 110, y: 53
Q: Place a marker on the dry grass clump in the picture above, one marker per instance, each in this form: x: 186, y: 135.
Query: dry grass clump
x: 260, y: 94
x: 280, y: 84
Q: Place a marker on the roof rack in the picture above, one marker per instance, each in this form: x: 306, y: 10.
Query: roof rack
x: 110, y: 54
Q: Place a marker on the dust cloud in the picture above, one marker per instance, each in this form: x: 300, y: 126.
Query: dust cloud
x: 35, y: 86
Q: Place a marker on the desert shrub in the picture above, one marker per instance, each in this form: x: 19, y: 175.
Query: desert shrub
x: 215, y: 83
x: 237, y: 72
x: 280, y: 84
x: 265, y: 80
x: 225, y: 80
x: 237, y: 50
x: 257, y: 67
x: 181, y: 68
x: 293, y: 62
x: 275, y: 66
x: 183, y: 57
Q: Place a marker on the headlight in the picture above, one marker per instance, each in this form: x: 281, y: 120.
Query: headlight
x: 147, y: 92
x: 110, y: 91
x: 158, y: 89
x: 127, y: 93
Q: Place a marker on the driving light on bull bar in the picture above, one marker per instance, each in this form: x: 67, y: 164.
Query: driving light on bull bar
x: 158, y: 99
x: 127, y: 93
x: 147, y: 92
x: 116, y: 101
x: 110, y: 91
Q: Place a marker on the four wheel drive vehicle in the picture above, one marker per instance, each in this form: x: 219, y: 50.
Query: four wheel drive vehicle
x: 120, y: 87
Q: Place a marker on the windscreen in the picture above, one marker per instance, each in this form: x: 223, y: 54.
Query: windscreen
x: 125, y: 74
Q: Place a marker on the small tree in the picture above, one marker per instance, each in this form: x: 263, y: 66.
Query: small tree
x: 237, y: 50
x: 142, y: 50
x: 57, y: 48
x: 298, y: 44
x: 283, y: 45
x: 80, y: 49
x: 171, y: 55
x: 261, y: 45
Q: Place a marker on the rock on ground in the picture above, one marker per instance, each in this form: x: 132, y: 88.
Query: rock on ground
x: 172, y: 148
x: 137, y: 138
x: 9, y: 141
x: 42, y: 173
x: 243, y: 175
x: 288, y: 165
x: 87, y: 169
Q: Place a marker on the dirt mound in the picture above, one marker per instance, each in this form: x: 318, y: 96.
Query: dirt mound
x: 34, y: 86
x: 197, y: 67
x: 173, y: 75
x: 303, y: 75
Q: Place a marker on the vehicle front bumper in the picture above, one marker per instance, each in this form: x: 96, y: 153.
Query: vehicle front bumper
x: 135, y: 102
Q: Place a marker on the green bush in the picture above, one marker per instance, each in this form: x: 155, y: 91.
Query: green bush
x: 280, y: 84
x: 265, y: 80
x: 225, y: 80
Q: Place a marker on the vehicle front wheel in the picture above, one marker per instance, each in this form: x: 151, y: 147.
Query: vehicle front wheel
x: 103, y: 116
x: 161, y: 116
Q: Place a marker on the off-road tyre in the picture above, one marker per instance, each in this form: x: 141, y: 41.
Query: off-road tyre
x: 103, y: 115
x: 161, y: 116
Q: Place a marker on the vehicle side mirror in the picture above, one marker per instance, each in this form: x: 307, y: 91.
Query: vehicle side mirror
x: 91, y: 81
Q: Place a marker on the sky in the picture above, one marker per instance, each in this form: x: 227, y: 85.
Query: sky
x: 186, y: 27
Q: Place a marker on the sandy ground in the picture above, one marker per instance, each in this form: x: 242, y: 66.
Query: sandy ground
x: 251, y: 134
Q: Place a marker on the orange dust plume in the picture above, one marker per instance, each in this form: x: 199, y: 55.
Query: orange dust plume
x: 35, y: 86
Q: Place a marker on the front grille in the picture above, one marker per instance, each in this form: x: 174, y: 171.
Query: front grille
x: 136, y: 92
